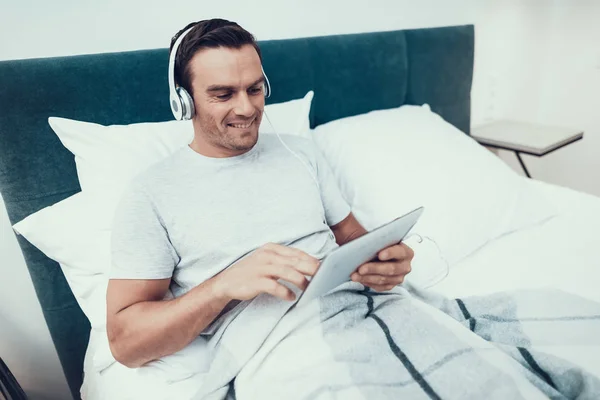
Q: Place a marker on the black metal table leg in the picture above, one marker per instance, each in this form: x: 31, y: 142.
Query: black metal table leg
x: 9, y: 387
x: 522, y: 164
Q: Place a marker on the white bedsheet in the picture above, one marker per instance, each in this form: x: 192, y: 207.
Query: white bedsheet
x: 561, y: 252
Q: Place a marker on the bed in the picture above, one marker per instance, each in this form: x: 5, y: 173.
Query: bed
x: 350, y: 75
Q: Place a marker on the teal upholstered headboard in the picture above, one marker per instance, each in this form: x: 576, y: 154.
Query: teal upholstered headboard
x: 350, y: 74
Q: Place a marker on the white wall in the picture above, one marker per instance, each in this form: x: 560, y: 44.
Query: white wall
x: 569, y: 83
x: 553, y: 78
x: 535, y: 60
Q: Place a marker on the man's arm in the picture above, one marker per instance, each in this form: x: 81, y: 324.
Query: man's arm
x: 347, y: 230
x: 142, y: 327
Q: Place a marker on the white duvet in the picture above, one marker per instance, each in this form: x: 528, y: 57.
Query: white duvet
x: 560, y: 252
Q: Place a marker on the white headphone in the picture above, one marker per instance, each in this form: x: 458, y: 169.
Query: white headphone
x: 182, y: 104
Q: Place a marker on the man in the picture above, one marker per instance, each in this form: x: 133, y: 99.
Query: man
x: 231, y: 216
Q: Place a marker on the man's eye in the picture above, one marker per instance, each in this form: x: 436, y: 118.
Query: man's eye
x: 225, y: 96
x: 255, y: 90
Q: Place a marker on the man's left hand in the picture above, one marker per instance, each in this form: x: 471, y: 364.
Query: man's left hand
x: 388, y: 270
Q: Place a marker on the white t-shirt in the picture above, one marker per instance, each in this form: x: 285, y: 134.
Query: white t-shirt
x: 190, y: 216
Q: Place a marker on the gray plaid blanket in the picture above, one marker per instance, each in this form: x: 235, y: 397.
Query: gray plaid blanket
x: 355, y: 343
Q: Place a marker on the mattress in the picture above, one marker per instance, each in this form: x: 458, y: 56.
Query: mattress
x: 560, y: 253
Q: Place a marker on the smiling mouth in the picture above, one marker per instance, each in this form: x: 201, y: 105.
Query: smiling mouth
x: 242, y: 126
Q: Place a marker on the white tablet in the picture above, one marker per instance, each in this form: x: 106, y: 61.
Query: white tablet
x: 338, y: 265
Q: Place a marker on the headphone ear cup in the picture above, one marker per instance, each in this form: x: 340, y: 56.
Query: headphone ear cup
x: 175, y: 102
x: 266, y: 84
x: 187, y: 103
x: 267, y: 88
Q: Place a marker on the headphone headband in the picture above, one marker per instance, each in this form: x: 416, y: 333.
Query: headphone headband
x: 182, y: 104
x: 177, y: 106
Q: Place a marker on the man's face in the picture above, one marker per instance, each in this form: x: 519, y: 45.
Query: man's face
x: 229, y: 99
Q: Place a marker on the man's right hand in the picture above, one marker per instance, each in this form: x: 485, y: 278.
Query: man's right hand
x: 259, y: 272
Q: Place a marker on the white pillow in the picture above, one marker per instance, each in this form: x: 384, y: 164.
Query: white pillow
x: 108, y: 157
x: 72, y: 233
x: 388, y: 162
x: 291, y: 117
x: 75, y: 232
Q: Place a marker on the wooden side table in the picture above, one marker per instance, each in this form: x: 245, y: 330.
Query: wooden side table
x: 526, y: 138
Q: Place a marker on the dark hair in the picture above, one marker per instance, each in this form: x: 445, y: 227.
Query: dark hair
x: 211, y: 33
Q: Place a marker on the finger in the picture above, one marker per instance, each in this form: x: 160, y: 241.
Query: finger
x: 382, y: 268
x: 379, y: 288
x: 380, y: 280
x: 287, y: 251
x: 377, y: 280
x: 388, y: 253
x: 306, y: 267
x: 287, y: 273
x: 302, y: 261
x: 303, y: 265
x: 396, y: 252
x: 274, y: 288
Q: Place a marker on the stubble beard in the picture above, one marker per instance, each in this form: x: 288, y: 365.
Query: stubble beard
x: 228, y: 139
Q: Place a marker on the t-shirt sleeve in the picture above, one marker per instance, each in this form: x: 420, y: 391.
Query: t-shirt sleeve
x: 336, y: 207
x: 140, y: 245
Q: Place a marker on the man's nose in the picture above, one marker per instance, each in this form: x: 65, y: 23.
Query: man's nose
x: 243, y: 105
